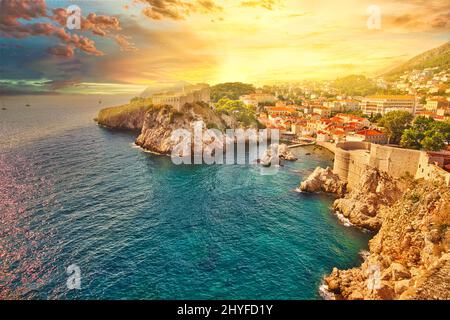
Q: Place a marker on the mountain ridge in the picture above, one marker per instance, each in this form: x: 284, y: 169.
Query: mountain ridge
x: 436, y: 57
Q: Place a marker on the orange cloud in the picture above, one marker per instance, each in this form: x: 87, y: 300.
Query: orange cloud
x: 99, y: 25
x: 64, y: 51
x: 124, y: 43
x: 10, y: 26
x: 177, y: 9
x: 267, y: 4
x: 420, y: 16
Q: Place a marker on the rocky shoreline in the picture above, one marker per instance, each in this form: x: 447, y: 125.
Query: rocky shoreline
x: 409, y: 255
x: 156, y: 123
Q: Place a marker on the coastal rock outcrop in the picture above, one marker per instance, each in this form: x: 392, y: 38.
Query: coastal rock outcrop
x: 410, y: 255
x: 363, y: 204
x: 156, y: 123
x: 126, y: 117
x: 323, y: 180
x: 285, y: 153
x: 161, y: 121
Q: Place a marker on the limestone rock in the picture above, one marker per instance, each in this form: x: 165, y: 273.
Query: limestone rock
x: 161, y: 121
x: 408, y: 264
x: 285, y: 153
x: 126, y: 117
x: 323, y: 180
x: 363, y: 205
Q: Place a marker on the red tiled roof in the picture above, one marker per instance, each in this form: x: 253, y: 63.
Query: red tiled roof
x: 370, y: 132
x: 274, y: 109
x: 426, y: 112
x: 338, y: 132
x: 337, y: 119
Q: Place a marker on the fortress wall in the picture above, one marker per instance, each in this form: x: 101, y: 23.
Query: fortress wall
x: 395, y: 161
x: 350, y: 161
x: 353, y: 158
x: 354, y: 145
x: 341, y: 163
x: 357, y: 167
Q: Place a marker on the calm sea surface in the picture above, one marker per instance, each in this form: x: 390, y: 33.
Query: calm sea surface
x: 140, y: 227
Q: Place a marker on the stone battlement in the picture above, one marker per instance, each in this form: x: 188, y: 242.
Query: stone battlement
x: 352, y: 159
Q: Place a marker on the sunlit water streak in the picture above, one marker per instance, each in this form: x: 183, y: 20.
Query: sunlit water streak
x: 140, y: 227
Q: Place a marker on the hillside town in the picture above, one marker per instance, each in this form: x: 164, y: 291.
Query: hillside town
x: 345, y: 110
x: 323, y: 115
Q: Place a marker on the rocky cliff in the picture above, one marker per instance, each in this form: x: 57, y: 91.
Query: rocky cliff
x: 410, y: 255
x: 157, y: 122
x: 126, y: 117
x: 323, y: 180
x: 160, y: 121
x: 374, y: 191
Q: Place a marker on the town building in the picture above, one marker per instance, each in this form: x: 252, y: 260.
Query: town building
x: 323, y: 136
x: 383, y: 104
x: 342, y: 105
x: 275, y: 112
x: 436, y: 103
x: 322, y: 111
x: 255, y: 99
x: 369, y: 135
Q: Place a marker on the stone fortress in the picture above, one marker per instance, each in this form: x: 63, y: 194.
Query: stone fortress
x: 188, y: 94
x: 353, y: 158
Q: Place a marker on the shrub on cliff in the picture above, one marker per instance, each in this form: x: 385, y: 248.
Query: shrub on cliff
x: 237, y: 109
x: 128, y: 116
x: 230, y: 90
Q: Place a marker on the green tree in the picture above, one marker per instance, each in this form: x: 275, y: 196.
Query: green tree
x: 240, y: 111
x: 433, y: 141
x: 355, y: 85
x: 427, y: 134
x: 137, y: 100
x: 395, y: 122
x: 422, y: 123
x: 231, y: 90
x: 375, y: 117
x: 443, y: 128
x: 412, y: 138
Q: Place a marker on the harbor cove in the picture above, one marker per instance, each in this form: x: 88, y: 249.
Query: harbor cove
x: 140, y: 227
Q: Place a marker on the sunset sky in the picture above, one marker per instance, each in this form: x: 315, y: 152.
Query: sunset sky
x: 125, y: 46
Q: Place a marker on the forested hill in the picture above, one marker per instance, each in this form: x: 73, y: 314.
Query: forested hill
x: 437, y: 57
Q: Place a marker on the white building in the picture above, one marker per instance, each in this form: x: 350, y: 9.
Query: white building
x: 383, y: 104
x: 255, y: 98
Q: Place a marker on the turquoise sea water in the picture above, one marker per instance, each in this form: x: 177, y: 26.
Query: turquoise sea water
x: 140, y: 227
